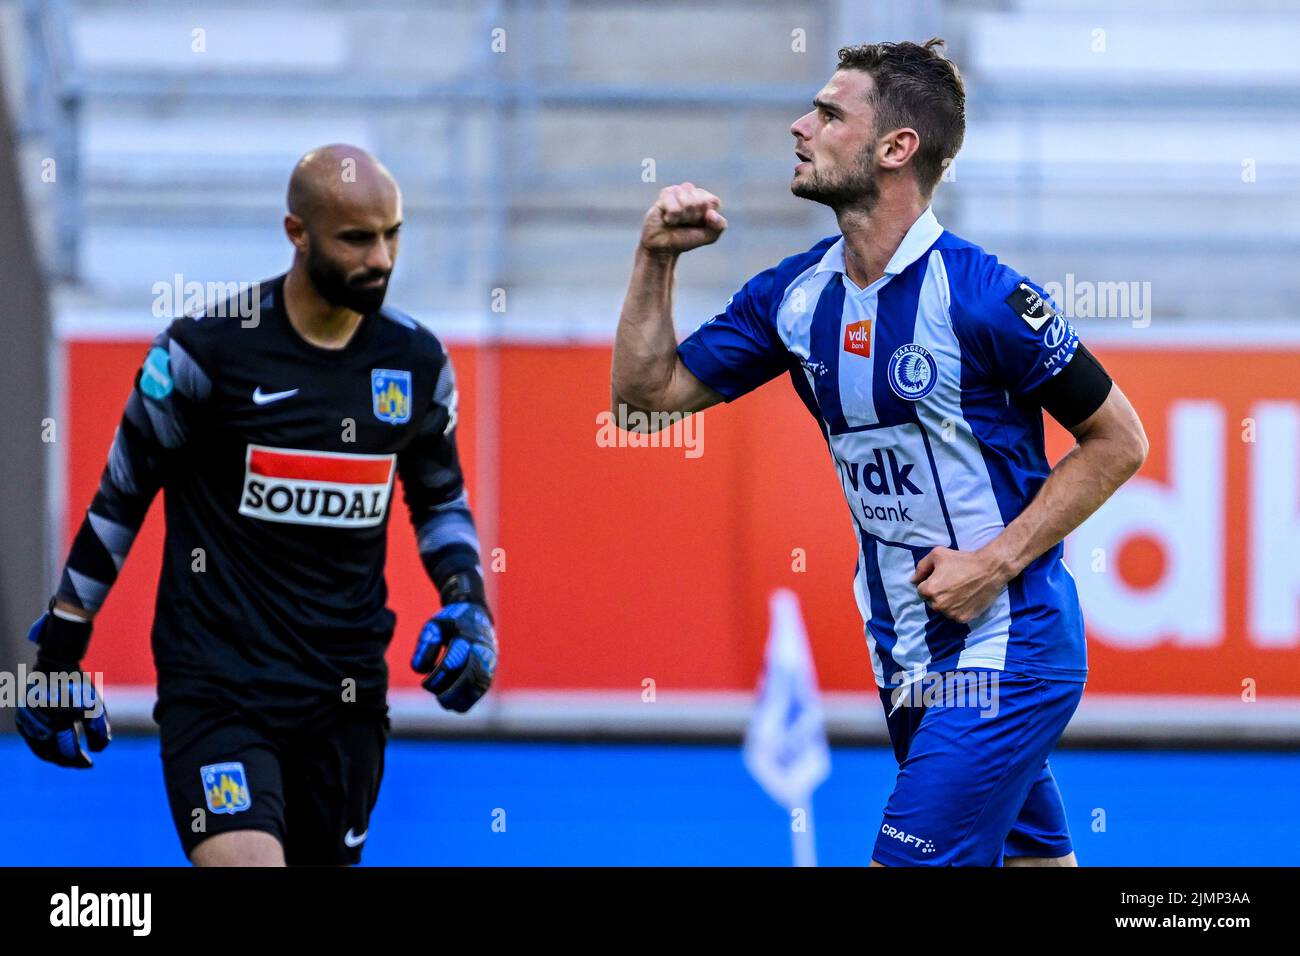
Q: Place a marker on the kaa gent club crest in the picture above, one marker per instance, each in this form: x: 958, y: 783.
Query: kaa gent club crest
x: 391, y: 391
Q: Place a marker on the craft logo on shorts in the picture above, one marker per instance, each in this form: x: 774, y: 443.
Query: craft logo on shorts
x: 226, y: 787
x: 857, y: 338
x: 330, y: 489
x: 908, y: 839
x: 391, y: 391
x: 912, y: 372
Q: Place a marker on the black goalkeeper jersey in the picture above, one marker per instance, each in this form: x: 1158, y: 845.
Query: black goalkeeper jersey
x: 278, y: 461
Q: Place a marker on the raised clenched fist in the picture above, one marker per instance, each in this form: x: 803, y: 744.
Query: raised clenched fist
x: 684, y: 217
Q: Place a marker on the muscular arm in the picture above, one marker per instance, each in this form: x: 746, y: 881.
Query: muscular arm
x: 1111, y: 448
x: 646, y: 373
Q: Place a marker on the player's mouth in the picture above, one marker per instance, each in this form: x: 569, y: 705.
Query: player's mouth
x: 374, y: 283
x: 802, y: 159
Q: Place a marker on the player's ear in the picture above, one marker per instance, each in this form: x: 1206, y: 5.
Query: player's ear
x: 296, y: 230
x: 897, y: 147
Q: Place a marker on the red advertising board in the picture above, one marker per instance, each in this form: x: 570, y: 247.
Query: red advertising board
x: 611, y: 564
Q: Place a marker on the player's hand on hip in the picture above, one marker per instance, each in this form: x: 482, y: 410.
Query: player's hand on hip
x: 458, y: 650
x: 960, y: 585
x: 62, y: 716
x: 684, y: 217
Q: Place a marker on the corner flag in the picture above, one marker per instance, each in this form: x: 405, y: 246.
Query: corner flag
x: 785, y: 745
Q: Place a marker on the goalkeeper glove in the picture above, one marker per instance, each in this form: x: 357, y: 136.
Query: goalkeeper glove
x: 457, y: 647
x: 62, y: 716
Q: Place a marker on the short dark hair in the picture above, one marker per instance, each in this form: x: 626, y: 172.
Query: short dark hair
x: 916, y: 86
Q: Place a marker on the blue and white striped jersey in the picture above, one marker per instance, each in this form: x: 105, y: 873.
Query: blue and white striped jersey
x: 923, y: 386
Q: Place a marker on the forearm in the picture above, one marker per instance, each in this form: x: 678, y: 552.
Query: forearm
x: 645, y: 344
x: 445, y: 534
x: 98, y: 552
x: 1078, y: 485
x: 127, y: 486
x: 449, y: 550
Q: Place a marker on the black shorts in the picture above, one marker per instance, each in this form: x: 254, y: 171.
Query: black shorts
x: 313, y: 788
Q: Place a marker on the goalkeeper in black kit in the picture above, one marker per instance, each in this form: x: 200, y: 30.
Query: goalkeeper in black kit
x: 277, y: 433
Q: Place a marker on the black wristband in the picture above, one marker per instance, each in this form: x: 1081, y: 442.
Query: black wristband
x: 63, y: 643
x: 464, y: 586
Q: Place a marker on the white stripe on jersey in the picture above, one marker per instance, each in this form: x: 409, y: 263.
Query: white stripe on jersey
x: 910, y: 614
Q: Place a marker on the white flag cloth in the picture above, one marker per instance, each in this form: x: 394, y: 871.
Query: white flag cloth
x: 785, y: 745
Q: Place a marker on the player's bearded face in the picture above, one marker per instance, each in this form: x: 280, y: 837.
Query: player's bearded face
x: 346, y: 288
x: 840, y: 185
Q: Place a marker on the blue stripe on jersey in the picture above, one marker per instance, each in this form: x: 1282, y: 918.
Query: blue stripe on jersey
x: 824, y: 345
x: 895, y: 327
x: 993, y: 433
x: 881, y: 624
x: 805, y: 393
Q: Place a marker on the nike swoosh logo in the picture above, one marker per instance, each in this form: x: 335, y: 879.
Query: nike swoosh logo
x: 266, y: 398
x: 352, y: 840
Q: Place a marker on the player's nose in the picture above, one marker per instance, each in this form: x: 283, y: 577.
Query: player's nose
x: 380, y: 258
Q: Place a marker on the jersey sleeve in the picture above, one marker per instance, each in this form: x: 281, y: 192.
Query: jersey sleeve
x: 738, y: 349
x: 434, y: 486
x: 160, y: 416
x: 1009, y: 327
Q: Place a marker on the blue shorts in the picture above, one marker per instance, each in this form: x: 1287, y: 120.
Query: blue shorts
x: 973, y: 781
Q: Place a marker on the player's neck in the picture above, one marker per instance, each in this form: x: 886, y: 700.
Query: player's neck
x: 314, y: 319
x: 871, y: 237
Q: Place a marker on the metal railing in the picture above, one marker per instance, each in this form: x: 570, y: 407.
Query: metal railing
x: 491, y: 194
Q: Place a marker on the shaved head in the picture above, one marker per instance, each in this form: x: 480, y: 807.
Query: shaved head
x: 344, y: 213
x: 337, y: 175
